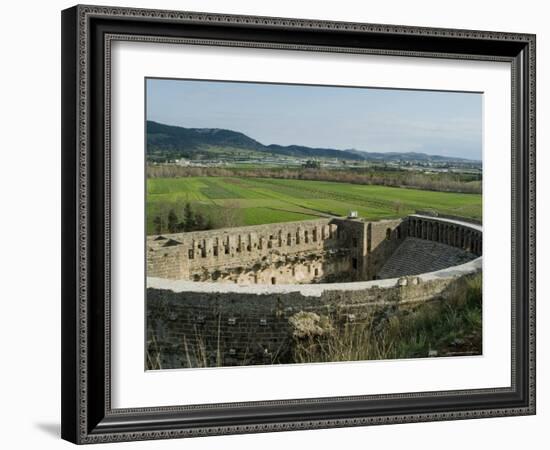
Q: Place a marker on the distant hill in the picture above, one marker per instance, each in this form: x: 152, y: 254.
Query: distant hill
x: 407, y: 156
x: 173, y: 142
x: 309, y: 152
x: 190, y: 140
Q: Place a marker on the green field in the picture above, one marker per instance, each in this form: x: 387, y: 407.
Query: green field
x: 260, y: 200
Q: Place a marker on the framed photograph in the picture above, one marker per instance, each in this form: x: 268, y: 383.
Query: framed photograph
x: 277, y: 224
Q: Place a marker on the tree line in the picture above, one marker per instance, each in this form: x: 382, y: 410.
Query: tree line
x: 188, y: 220
x: 182, y: 217
x: 444, y: 181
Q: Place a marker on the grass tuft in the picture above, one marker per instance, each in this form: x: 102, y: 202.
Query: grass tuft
x: 449, y: 327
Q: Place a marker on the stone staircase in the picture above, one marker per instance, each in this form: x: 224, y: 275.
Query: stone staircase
x: 415, y: 256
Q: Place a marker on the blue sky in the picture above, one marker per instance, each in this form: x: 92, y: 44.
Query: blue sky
x: 375, y: 120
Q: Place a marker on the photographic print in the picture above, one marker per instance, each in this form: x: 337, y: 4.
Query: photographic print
x: 295, y: 223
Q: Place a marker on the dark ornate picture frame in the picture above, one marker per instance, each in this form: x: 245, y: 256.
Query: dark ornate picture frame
x: 87, y: 34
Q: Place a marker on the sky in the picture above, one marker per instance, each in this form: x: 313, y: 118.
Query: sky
x: 367, y: 119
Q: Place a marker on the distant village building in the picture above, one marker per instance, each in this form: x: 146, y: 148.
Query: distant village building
x: 182, y: 162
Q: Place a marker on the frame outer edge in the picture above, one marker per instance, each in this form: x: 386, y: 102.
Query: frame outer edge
x: 75, y: 298
x: 532, y: 143
x: 296, y: 23
x: 69, y: 294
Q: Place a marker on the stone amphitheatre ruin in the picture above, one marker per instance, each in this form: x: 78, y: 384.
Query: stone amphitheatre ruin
x: 232, y: 293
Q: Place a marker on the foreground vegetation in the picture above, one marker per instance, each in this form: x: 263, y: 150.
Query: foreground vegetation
x: 448, y: 328
x: 222, y: 202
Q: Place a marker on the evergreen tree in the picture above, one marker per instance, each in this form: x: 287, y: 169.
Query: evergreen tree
x: 172, y: 221
x: 188, y: 217
x: 157, y: 222
x: 200, y: 222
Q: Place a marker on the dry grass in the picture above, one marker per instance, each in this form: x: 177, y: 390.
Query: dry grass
x: 446, y: 328
x: 441, y: 328
x: 195, y: 352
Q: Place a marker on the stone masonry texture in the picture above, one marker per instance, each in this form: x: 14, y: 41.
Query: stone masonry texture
x: 196, y: 328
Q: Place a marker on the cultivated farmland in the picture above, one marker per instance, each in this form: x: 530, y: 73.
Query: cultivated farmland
x: 257, y: 201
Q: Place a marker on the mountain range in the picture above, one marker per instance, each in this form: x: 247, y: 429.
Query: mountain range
x: 174, y: 142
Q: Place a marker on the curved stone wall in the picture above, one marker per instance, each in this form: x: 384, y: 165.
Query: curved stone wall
x: 456, y: 233
x: 194, y: 324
